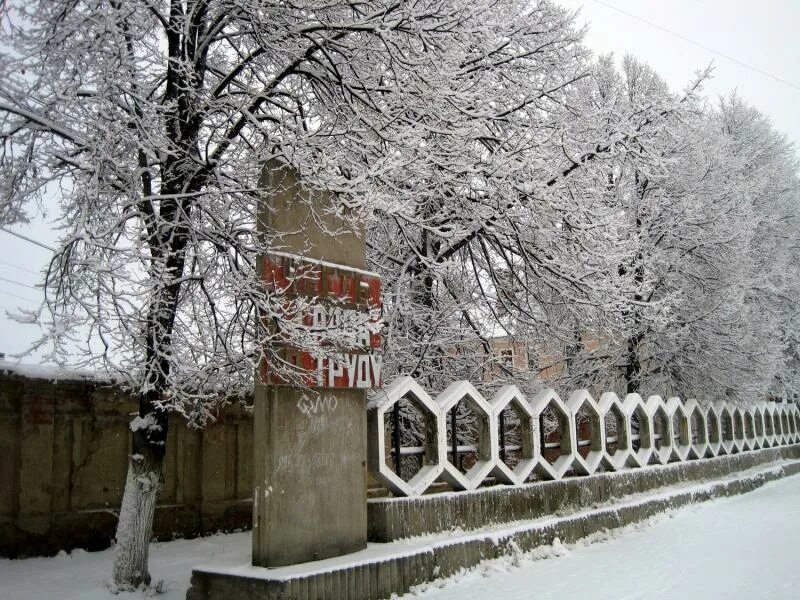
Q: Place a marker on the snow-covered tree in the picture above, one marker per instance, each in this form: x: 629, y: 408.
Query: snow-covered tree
x: 152, y: 120
x: 508, y: 233
x: 705, y: 208
x: 508, y: 185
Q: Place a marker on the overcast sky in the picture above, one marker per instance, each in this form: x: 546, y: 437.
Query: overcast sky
x: 762, y: 35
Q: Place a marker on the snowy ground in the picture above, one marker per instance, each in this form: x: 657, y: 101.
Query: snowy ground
x: 740, y: 547
x: 85, y: 575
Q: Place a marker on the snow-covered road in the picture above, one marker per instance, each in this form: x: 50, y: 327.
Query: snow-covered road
x: 741, y: 547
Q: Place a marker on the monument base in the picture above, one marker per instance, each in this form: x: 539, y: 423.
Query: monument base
x: 310, y: 495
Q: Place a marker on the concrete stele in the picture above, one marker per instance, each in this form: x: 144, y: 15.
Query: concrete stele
x: 310, y: 446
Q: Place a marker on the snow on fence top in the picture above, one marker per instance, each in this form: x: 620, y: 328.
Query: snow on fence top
x: 48, y: 372
x: 463, y: 439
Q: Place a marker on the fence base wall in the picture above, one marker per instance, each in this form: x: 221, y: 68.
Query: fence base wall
x: 395, y: 518
x: 378, y: 573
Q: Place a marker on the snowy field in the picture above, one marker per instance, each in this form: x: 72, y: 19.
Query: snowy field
x: 740, y: 547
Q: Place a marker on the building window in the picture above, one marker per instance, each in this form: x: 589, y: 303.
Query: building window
x: 507, y: 357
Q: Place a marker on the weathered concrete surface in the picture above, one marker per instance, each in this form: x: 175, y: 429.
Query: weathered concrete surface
x: 397, y: 569
x: 63, y: 455
x: 310, y: 496
x: 310, y: 487
x: 304, y: 222
x: 396, y: 518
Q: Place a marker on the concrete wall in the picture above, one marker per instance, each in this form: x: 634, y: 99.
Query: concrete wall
x: 63, y: 455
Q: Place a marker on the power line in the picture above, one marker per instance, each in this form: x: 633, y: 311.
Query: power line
x: 699, y: 45
x: 20, y: 284
x: 27, y: 239
x: 13, y: 266
x: 17, y: 296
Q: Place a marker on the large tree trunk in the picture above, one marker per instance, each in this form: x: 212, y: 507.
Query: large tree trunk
x: 168, y: 229
x: 142, y: 486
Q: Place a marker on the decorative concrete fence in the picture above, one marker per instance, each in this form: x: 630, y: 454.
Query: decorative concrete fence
x: 463, y: 439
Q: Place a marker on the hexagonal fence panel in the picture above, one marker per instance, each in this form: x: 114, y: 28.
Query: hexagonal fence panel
x: 784, y: 436
x: 738, y: 429
x: 661, y: 429
x: 697, y: 429
x: 796, y: 416
x: 471, y: 441
x: 725, y: 427
x: 640, y: 429
x: 769, y: 424
x: 681, y: 436
x: 777, y: 426
x: 557, y: 442
x: 714, y: 432
x: 793, y: 421
x: 616, y: 430
x: 781, y: 424
x: 758, y: 426
x: 787, y: 410
x: 518, y: 445
x: 749, y: 429
x: 589, y: 432
x: 787, y: 432
x: 405, y: 438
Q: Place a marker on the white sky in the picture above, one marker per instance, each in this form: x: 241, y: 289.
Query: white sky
x: 763, y: 35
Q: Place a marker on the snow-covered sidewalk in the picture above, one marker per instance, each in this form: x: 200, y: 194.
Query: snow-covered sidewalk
x: 740, y: 547
x: 85, y: 575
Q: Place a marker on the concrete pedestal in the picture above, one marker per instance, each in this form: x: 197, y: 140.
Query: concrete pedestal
x: 310, y: 496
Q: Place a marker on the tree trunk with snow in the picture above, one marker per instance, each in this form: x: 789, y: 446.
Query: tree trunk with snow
x: 142, y: 487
